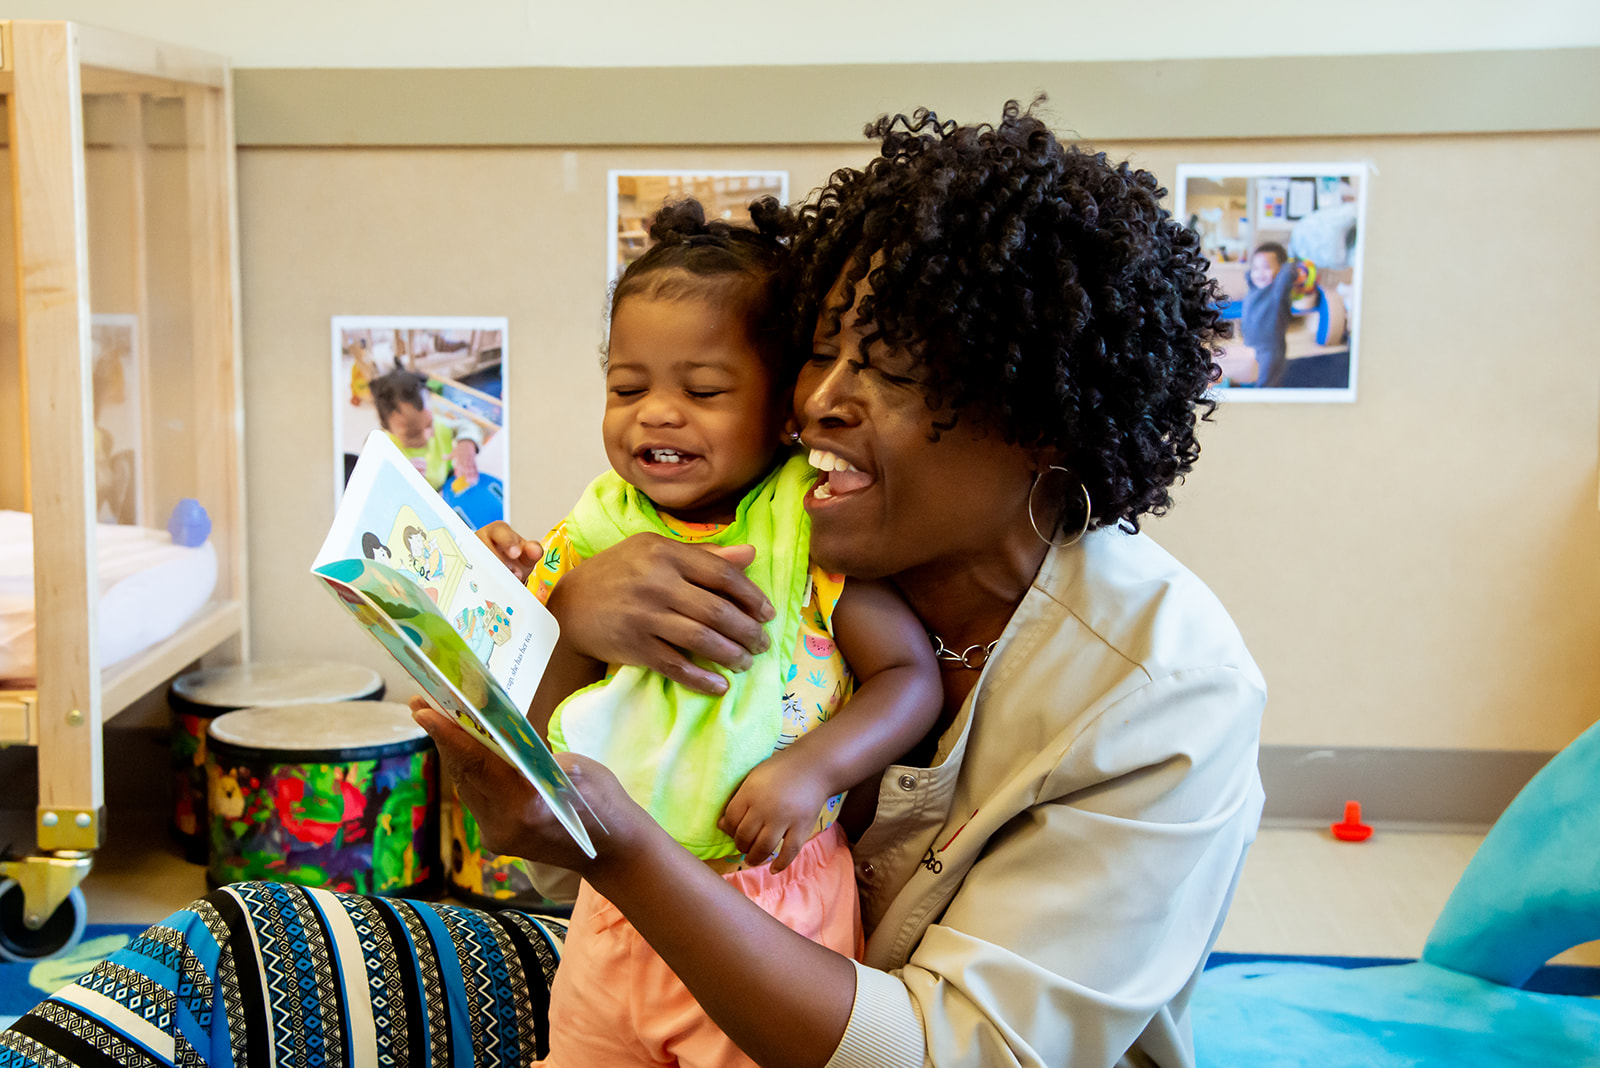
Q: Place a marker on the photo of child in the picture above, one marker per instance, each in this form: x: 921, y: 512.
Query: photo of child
x: 1284, y: 241
x: 437, y: 387
x: 636, y: 196
x: 118, y: 425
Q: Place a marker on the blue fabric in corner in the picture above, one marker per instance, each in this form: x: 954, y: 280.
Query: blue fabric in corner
x: 1533, y: 888
x: 1287, y: 1014
x: 1577, y: 979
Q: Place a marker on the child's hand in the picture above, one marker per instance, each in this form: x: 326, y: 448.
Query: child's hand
x: 464, y: 460
x: 519, y: 554
x: 774, y: 811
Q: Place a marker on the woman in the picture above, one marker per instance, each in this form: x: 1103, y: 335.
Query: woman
x: 1009, y: 342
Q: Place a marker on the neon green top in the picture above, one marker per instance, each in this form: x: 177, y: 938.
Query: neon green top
x: 433, y: 459
x: 681, y: 754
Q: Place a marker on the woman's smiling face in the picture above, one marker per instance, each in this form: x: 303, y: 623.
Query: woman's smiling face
x: 890, y: 498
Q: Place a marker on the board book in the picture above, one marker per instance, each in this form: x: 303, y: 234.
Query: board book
x: 443, y: 605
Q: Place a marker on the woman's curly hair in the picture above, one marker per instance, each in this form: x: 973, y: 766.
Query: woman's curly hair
x: 1043, y: 288
x: 743, y: 268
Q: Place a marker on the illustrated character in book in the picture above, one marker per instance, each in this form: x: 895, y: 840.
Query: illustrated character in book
x: 373, y: 548
x: 425, y: 558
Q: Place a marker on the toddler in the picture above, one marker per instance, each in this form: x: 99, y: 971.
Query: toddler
x: 437, y: 446
x: 696, y: 404
x: 1266, y: 312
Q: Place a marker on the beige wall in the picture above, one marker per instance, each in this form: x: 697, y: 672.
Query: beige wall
x: 493, y: 33
x: 1420, y: 568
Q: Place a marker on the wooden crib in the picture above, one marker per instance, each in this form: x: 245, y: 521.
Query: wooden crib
x: 123, y: 226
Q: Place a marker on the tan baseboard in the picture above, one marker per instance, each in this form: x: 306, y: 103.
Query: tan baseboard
x: 1214, y: 99
x: 1436, y: 788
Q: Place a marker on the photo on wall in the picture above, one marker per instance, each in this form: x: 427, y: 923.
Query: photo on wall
x: 635, y: 196
x: 118, y: 375
x: 437, y: 385
x: 1285, y: 243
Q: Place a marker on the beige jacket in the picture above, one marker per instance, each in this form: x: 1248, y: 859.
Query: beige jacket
x: 1047, y: 891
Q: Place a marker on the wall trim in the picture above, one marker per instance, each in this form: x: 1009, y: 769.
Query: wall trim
x: 1292, y: 96
x: 1398, y: 788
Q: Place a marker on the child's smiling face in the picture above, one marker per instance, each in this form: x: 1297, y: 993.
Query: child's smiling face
x: 691, y: 416
x: 1263, y: 269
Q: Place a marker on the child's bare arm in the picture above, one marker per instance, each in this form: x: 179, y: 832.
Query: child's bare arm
x: 897, y: 695
x: 896, y: 702
x: 567, y: 672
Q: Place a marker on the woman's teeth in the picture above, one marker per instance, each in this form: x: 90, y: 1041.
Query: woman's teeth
x: 827, y: 461
x: 839, y: 476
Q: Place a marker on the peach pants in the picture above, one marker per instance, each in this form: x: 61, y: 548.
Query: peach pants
x: 615, y: 1002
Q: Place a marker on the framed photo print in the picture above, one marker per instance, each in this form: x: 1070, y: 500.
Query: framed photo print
x: 634, y: 197
x: 437, y: 386
x: 1285, y: 244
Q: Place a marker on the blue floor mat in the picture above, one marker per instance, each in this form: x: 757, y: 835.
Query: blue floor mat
x: 24, y: 984
x: 1286, y: 1013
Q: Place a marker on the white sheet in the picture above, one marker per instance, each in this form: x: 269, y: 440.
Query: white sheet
x: 149, y: 587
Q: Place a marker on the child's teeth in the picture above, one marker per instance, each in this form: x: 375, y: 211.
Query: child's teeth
x: 822, y: 492
x: 666, y: 456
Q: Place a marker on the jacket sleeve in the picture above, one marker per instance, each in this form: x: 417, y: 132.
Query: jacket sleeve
x: 463, y: 429
x: 1085, y: 917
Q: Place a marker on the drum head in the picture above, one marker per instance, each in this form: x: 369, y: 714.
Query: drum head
x: 326, y: 733
x: 283, y: 682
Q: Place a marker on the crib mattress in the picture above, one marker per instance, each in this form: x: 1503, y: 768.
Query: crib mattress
x: 149, y: 588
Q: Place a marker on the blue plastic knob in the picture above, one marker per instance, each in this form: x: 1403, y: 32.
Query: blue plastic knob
x: 189, y: 525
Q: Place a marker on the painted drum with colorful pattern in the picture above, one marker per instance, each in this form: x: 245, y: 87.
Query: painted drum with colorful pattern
x: 343, y: 796
x: 479, y: 877
x: 201, y: 696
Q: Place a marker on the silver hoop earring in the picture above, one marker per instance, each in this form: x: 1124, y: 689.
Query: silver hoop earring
x: 1088, y: 510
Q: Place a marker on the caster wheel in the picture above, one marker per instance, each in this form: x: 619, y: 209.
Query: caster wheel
x: 61, y: 930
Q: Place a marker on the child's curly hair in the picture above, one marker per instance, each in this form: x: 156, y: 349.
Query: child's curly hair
x: 1043, y: 288
x: 743, y: 267
x: 395, y: 388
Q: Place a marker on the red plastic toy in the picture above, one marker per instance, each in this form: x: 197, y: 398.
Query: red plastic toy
x: 1351, y: 829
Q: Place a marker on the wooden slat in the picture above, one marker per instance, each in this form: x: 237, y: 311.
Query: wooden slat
x: 139, y: 241
x: 217, y: 624
x: 98, y: 81
x: 13, y: 388
x: 19, y: 717
x: 238, y: 552
x: 54, y: 268
x: 127, y: 53
x: 218, y: 407
x: 456, y: 410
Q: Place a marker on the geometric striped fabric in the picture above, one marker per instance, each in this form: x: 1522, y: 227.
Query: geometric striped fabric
x: 268, y: 975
